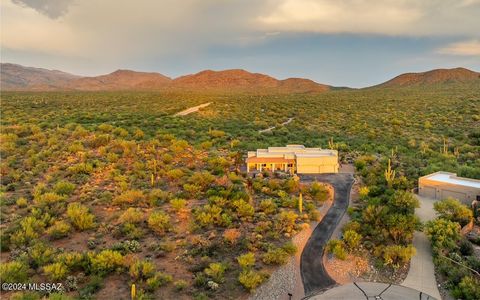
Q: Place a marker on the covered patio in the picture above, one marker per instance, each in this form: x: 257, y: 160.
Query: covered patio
x: 272, y: 164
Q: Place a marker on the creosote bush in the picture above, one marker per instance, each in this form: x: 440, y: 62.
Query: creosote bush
x: 80, y: 216
x: 159, y: 222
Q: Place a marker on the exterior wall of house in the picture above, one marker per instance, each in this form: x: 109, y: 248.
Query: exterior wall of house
x: 440, y: 190
x: 293, y: 159
x: 322, y: 164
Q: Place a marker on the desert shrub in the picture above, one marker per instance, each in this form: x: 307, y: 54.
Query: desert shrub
x: 30, y: 228
x: 275, y: 256
x: 395, y: 255
x: 72, y: 260
x: 129, y: 197
x: 81, y: 168
x: 468, y: 289
x: 132, y: 215
x: 178, y: 204
x: 142, y: 270
x: 180, y: 284
x: 48, y: 199
x: 21, y: 202
x: 175, y: 174
x: 13, y: 271
x: 159, y: 222
x: 157, y: 197
x: 243, y: 209
x: 40, y: 254
x: 286, y: 221
x: 216, y: 271
x: 404, y: 201
x: 246, y: 260
x: 352, y: 239
x: 157, y: 280
x: 56, y: 271
x: 337, y: 248
x: 80, y: 217
x: 250, y: 279
x: 209, y: 215
x: 193, y: 190
x: 106, y: 261
x: 443, y: 234
x: 231, y: 235
x: 268, y: 206
x: 453, y: 210
x: 132, y: 231
x: 290, y: 248
x: 318, y: 192
x: 127, y: 246
x: 59, y: 229
x: 64, y: 187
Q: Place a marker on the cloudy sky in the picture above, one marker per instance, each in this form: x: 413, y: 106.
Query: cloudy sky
x: 341, y: 42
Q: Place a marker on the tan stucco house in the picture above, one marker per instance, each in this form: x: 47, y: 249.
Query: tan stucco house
x: 441, y: 185
x: 293, y: 159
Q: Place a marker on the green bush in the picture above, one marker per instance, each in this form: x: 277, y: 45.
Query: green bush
x: 251, y: 279
x: 268, y: 206
x: 22, y: 202
x: 157, y: 197
x: 129, y: 197
x: 157, y: 280
x: 80, y: 217
x: 286, y: 221
x: 56, y: 271
x: 141, y: 270
x: 159, y: 222
x: 468, y: 289
x: 246, y: 260
x: 395, y: 255
x: 216, y: 271
x: 178, y: 204
x: 64, y: 187
x: 59, y: 229
x: 243, y: 209
x: 453, y: 210
x: 276, y: 256
x: 337, y: 248
x: 352, y: 239
x: 180, y: 285
x: 48, y: 199
x: 30, y: 229
x: 132, y: 215
x: 106, y: 261
x: 13, y: 272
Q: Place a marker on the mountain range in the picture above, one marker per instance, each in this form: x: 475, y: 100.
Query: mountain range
x: 20, y: 78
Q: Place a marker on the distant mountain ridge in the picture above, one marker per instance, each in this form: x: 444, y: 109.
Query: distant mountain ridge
x: 227, y: 80
x: 17, y: 77
x: 433, y: 77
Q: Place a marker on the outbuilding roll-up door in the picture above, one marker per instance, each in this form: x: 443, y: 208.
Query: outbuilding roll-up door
x: 457, y: 195
x: 428, y: 192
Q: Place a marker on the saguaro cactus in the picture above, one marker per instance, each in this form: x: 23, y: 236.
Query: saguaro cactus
x: 389, y: 174
x: 300, y: 203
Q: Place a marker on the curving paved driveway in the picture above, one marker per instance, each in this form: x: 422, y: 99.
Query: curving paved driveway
x: 314, y: 276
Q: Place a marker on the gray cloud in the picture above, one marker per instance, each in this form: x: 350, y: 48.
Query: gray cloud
x: 51, y: 8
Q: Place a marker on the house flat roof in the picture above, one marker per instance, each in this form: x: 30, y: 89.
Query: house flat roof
x: 452, y: 178
x: 269, y: 160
